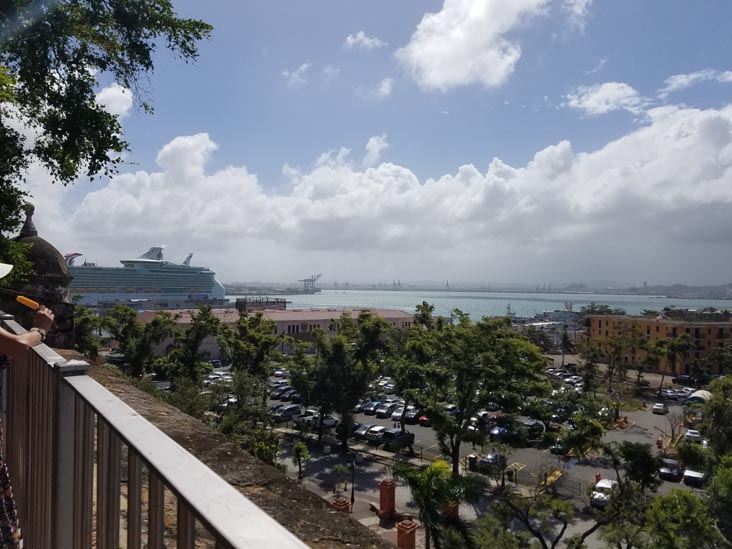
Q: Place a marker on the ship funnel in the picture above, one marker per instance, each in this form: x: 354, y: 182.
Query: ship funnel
x: 187, y: 262
x: 156, y: 253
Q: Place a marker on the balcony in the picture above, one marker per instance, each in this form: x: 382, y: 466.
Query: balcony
x: 88, y: 471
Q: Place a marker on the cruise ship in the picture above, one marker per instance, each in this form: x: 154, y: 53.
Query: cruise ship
x: 147, y: 282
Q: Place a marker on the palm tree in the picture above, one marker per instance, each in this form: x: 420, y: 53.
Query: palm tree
x: 676, y: 348
x: 433, y: 490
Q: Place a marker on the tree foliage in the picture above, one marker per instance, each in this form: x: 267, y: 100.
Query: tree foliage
x: 433, y: 489
x: 53, y: 55
x: 682, y: 520
x: 136, y: 341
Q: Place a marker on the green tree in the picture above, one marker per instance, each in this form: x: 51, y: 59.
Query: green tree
x: 719, y: 360
x: 477, y: 363
x: 682, y: 520
x: 251, y: 345
x: 86, y: 331
x: 300, y: 455
x: 676, y: 348
x: 491, y: 533
x: 336, y: 376
x: 53, y: 54
x: 566, y: 345
x: 137, y: 341
x: 433, y: 489
x: 720, y: 496
x: 587, y: 433
x: 539, y: 338
x: 717, y: 417
x: 599, y: 309
x: 187, y: 361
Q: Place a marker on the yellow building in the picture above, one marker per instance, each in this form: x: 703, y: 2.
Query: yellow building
x: 707, y: 336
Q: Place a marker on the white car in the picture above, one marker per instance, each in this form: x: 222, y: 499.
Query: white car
x: 659, y: 408
x: 692, y: 435
x: 602, y: 492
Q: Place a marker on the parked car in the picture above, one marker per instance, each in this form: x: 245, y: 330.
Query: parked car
x: 286, y: 413
x: 659, y: 408
x: 669, y: 394
x: 394, y: 439
x: 277, y: 394
x: 364, y: 428
x: 412, y: 414
x: 396, y: 415
x: 370, y: 408
x: 452, y: 409
x: 684, y: 379
x: 307, y: 418
x: 558, y: 448
x: 670, y: 470
x: 374, y: 434
x: 692, y: 435
x: 696, y: 479
x: 424, y: 420
x: 492, y: 462
x: 497, y: 433
x: 385, y: 410
x: 602, y: 492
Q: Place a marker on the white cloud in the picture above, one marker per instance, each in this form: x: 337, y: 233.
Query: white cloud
x: 115, y: 99
x: 598, y: 66
x: 374, y: 146
x: 296, y: 78
x: 577, y: 12
x: 330, y: 72
x: 380, y: 91
x: 466, y: 43
x: 660, y: 196
x: 603, y: 98
x: 363, y: 42
x: 679, y: 82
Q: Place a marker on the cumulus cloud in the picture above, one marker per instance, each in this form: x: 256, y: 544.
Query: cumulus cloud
x: 115, y: 99
x: 603, y: 98
x: 662, y: 194
x: 467, y: 42
x: 374, y: 146
x: 680, y: 82
x: 296, y: 78
x: 363, y: 42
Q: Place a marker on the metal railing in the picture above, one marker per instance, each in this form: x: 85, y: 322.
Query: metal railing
x: 88, y: 471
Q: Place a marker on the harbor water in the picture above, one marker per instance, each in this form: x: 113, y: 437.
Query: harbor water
x: 480, y: 304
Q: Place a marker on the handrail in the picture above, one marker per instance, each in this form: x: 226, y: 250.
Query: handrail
x: 54, y: 413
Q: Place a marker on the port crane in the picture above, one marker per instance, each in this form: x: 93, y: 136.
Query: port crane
x: 308, y: 284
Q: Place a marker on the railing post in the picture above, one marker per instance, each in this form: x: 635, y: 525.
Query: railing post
x: 64, y: 453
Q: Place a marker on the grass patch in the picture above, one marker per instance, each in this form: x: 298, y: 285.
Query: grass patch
x: 630, y: 406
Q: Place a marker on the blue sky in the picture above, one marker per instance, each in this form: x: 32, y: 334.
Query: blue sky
x: 510, y: 141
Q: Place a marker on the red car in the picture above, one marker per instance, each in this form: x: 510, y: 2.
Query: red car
x: 424, y: 421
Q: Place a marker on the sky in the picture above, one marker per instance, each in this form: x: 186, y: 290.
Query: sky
x: 478, y: 141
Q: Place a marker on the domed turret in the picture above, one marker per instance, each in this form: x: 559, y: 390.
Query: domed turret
x: 49, y: 266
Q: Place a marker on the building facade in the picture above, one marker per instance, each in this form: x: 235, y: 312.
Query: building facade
x: 707, y: 336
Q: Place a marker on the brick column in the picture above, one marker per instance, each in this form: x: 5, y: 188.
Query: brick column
x: 341, y: 504
x: 406, y: 534
x: 387, y: 499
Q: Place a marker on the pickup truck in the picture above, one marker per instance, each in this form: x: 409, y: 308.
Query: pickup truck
x: 309, y: 420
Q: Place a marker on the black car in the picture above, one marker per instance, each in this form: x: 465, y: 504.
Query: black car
x: 492, y: 462
x: 277, y: 393
x: 683, y: 379
x: 412, y: 415
x: 670, y: 470
x: 394, y: 439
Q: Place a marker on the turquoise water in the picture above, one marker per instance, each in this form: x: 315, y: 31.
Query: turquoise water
x: 480, y: 304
